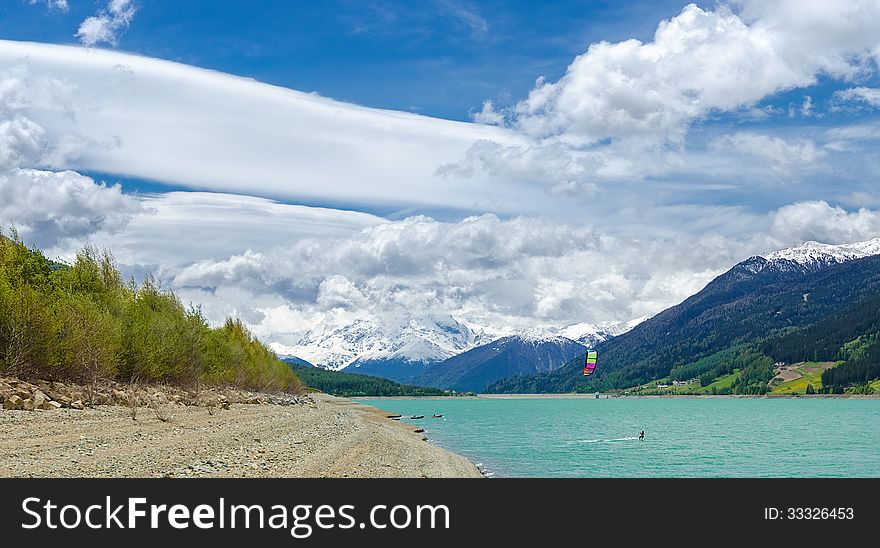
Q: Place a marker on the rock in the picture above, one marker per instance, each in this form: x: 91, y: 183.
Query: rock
x: 40, y: 399
x: 77, y: 404
x: 27, y: 405
x: 223, y: 401
x: 52, y: 405
x: 13, y: 402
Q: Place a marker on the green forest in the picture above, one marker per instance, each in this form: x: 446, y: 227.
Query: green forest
x: 83, y: 322
x: 340, y: 383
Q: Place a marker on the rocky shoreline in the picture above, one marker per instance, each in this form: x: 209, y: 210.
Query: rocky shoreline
x: 19, y: 395
x: 167, y: 431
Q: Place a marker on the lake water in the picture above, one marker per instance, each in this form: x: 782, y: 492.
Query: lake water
x: 684, y: 437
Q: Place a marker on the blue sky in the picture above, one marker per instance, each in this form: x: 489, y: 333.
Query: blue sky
x: 437, y: 57
x: 660, y: 142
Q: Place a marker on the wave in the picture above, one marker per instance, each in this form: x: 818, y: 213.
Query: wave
x: 628, y: 438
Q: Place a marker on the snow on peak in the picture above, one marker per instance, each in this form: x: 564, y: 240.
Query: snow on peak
x: 594, y: 333
x: 536, y: 335
x: 422, y: 339
x: 816, y: 255
x: 425, y: 339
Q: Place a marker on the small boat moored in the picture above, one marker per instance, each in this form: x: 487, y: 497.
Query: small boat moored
x: 417, y: 417
x: 437, y: 416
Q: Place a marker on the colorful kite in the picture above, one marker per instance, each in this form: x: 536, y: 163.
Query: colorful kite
x: 590, y: 362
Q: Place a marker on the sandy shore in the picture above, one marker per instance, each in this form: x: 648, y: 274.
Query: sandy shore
x: 334, y: 437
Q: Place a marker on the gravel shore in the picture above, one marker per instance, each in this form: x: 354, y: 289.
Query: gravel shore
x: 332, y: 437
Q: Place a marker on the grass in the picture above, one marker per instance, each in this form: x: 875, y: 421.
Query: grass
x: 722, y: 384
x: 811, y: 373
x: 651, y: 388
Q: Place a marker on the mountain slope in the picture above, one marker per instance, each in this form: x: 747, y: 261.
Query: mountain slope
x: 402, y: 341
x: 750, y: 301
x: 528, y: 353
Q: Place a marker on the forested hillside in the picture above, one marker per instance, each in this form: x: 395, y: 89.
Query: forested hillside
x: 340, y: 383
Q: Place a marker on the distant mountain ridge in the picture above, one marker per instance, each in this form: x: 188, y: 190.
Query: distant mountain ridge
x: 401, y: 349
x: 406, y: 341
x: 531, y: 352
x: 756, y: 297
x: 815, y: 255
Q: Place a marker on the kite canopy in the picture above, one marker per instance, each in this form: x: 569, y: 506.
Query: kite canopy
x: 590, y: 362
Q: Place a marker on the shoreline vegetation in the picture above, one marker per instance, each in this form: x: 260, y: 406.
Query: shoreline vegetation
x: 82, y: 323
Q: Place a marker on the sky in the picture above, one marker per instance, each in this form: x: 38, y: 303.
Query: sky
x: 512, y: 164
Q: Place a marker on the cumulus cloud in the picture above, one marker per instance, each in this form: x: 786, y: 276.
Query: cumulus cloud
x: 820, y: 221
x: 105, y: 26
x: 47, y: 207
x: 699, y: 61
x: 627, y: 102
x: 496, y: 273
x: 488, y: 115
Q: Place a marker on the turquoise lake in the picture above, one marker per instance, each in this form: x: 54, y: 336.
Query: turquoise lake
x: 684, y: 437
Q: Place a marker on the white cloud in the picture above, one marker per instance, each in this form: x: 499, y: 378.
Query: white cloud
x: 807, y: 107
x: 48, y: 207
x: 488, y: 115
x: 785, y: 157
x: 183, y: 228
x: 157, y: 120
x: 625, y: 102
x: 61, y: 5
x: 500, y: 274
x: 468, y: 15
x: 870, y: 96
x: 699, y: 61
x: 817, y: 220
x: 105, y: 26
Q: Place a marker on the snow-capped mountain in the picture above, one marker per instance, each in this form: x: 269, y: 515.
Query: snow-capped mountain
x: 591, y: 334
x: 815, y: 255
x: 409, y: 339
x: 530, y: 352
x: 401, y: 348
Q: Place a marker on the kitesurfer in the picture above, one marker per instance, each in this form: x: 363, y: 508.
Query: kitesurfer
x: 642, y: 436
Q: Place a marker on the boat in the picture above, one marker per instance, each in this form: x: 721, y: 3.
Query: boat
x: 417, y: 417
x: 437, y: 416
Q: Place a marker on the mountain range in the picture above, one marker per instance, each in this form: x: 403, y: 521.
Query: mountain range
x: 404, y: 349
x: 757, y: 299
x: 530, y: 352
